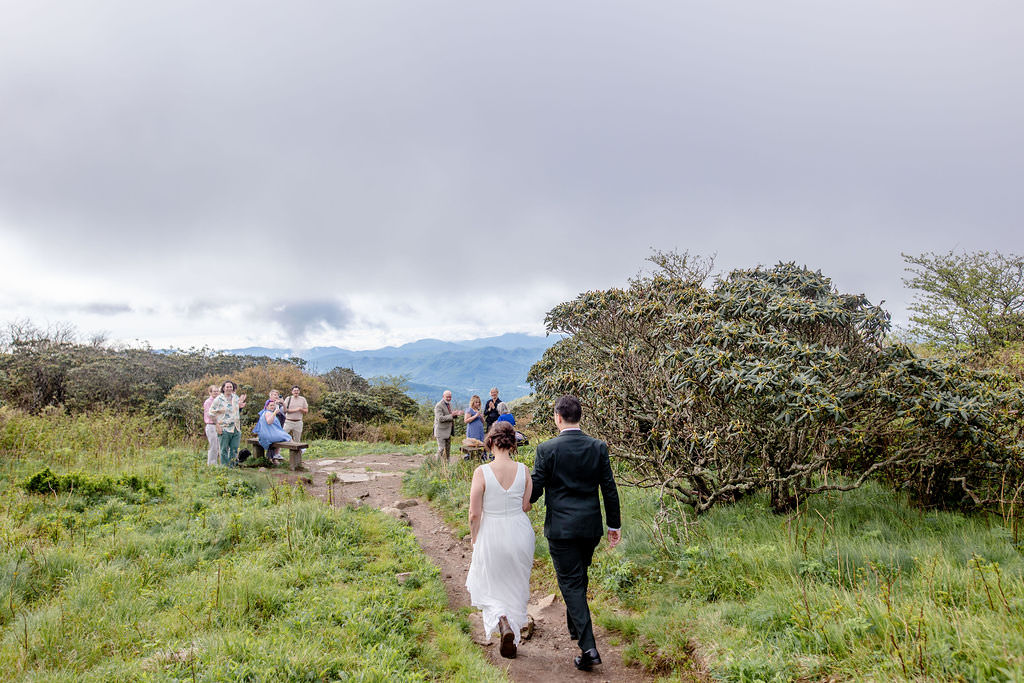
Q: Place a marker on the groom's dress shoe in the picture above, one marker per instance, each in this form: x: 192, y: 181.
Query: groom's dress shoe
x: 588, y: 659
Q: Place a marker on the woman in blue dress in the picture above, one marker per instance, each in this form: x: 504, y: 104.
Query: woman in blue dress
x: 268, y: 430
x: 474, y: 419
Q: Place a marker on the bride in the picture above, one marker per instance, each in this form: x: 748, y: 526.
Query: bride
x: 503, y: 539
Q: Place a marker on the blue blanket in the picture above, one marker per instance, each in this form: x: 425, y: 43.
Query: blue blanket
x: 269, y: 433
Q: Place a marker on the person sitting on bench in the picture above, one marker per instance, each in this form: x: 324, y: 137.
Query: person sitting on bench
x: 269, y: 431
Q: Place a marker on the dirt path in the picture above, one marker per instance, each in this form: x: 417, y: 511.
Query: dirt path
x: 376, y: 480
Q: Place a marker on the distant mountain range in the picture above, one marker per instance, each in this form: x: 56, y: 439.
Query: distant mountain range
x: 466, y: 367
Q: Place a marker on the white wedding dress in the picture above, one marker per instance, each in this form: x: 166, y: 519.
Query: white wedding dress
x: 499, y: 574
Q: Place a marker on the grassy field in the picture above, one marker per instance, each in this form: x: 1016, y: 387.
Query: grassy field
x: 145, y: 565
x: 134, y: 561
x: 856, y: 585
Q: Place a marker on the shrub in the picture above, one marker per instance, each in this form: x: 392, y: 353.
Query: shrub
x: 183, y: 404
x: 409, y: 431
x: 344, y: 410
x: 769, y: 380
x: 344, y: 379
x: 967, y: 301
x: 45, y: 481
x: 52, y: 367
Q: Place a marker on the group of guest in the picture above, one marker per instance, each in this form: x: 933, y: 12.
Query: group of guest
x: 280, y: 420
x: 478, y: 419
x: 222, y: 415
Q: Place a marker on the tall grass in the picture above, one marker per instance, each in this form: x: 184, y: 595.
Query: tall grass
x: 857, y: 584
x: 103, y: 438
x: 209, y: 574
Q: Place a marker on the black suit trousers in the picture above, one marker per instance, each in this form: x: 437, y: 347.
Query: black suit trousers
x: 571, y: 558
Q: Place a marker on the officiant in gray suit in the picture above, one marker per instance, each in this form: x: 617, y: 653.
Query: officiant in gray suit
x: 444, y: 425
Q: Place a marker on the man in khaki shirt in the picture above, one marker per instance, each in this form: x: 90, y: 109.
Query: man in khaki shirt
x: 295, y: 407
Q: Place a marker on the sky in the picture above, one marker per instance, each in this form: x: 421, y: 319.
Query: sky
x: 361, y: 174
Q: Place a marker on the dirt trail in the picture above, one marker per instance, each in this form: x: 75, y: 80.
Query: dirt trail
x: 376, y: 480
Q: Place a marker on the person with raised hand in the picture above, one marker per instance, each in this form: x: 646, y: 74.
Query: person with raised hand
x: 444, y: 425
x: 226, y: 409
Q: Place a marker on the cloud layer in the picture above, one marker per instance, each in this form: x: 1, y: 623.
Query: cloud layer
x: 358, y: 172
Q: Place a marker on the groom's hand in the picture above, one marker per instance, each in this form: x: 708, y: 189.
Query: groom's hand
x: 614, y: 536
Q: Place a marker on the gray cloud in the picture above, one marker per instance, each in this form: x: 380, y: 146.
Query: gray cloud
x: 300, y: 318
x: 201, y: 307
x: 106, y: 309
x: 390, y: 147
x: 95, y: 308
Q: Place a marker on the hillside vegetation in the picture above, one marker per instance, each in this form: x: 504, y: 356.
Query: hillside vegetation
x: 796, y: 469
x: 52, y: 371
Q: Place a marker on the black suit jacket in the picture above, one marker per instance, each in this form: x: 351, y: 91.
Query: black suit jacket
x: 491, y: 413
x: 571, y: 468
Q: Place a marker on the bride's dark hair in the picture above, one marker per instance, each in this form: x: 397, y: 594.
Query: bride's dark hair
x: 502, y: 436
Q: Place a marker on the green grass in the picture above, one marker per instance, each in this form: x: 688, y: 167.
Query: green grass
x: 169, y: 570
x: 326, y: 448
x: 857, y: 585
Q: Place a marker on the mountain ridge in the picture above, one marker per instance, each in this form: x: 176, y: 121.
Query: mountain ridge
x: 466, y: 367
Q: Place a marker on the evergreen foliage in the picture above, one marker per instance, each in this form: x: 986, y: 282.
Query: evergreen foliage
x: 345, y: 409
x: 344, y: 379
x: 770, y: 380
x: 91, y: 486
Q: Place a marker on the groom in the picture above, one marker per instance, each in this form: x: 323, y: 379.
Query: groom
x: 572, y: 467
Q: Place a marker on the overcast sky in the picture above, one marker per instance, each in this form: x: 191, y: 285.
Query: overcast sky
x: 367, y: 173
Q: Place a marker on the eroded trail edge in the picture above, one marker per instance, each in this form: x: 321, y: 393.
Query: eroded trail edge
x: 376, y: 480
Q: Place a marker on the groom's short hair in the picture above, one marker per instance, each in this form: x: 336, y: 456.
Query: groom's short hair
x: 569, y: 408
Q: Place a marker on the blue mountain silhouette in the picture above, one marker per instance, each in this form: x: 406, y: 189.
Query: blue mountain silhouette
x: 466, y: 367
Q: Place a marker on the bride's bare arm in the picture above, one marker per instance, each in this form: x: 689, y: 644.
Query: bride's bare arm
x: 476, y: 503
x: 526, y: 494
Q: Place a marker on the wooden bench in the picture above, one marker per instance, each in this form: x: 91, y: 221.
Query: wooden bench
x: 472, y: 452
x: 294, y: 451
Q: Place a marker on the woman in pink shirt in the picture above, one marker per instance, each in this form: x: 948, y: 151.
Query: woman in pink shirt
x: 212, y: 455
